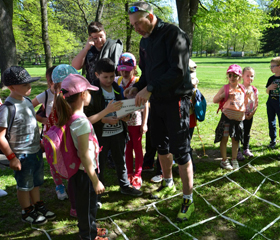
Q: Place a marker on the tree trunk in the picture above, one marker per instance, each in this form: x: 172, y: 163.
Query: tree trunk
x: 186, y: 10
x: 99, y: 11
x: 45, y: 33
x: 8, y: 55
x: 129, y: 29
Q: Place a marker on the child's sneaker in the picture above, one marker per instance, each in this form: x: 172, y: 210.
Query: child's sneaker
x: 234, y: 163
x: 164, y: 191
x: 272, y: 145
x: 186, y: 210
x: 131, y: 190
x: 137, y: 182
x: 31, y: 216
x: 248, y: 153
x: 130, y: 178
x: 225, y: 164
x: 42, y: 210
x: 240, y: 156
x: 102, y: 232
x: 156, y: 179
x: 73, y: 213
x: 147, y: 169
x: 60, y: 192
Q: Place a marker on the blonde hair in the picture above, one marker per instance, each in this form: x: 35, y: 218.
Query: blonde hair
x: 248, y: 69
x: 276, y: 60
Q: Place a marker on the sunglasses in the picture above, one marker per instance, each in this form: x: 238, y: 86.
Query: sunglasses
x: 233, y: 75
x: 135, y: 9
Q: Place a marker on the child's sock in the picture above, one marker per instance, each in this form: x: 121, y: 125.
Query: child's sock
x: 169, y: 181
x: 188, y: 197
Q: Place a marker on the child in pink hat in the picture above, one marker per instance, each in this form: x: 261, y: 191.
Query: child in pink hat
x: 231, y: 99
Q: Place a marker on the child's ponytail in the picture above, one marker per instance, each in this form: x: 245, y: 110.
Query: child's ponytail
x: 63, y: 109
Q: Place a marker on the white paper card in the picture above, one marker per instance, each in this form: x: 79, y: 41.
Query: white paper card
x: 128, y: 107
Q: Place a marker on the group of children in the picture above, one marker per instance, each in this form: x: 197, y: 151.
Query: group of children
x: 69, y: 94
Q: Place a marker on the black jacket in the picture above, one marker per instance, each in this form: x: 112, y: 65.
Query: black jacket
x: 164, y: 61
x: 97, y: 104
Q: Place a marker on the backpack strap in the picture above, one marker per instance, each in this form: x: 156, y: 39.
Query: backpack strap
x: 255, y: 90
x: 120, y: 80
x: 226, y: 89
x: 12, y: 112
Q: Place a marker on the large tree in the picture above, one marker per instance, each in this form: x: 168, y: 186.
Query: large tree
x: 7, y: 40
x: 45, y: 33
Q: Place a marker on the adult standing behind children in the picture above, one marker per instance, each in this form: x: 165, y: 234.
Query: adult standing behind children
x: 97, y: 47
x: 272, y: 104
x: 165, y: 80
x: 22, y: 148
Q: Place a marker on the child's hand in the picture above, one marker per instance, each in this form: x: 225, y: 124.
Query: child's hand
x: 44, y: 121
x: 89, y: 43
x: 114, y: 106
x: 111, y: 120
x: 126, y: 118
x: 99, y: 187
x: 144, y: 128
x: 15, y: 164
x: 272, y: 86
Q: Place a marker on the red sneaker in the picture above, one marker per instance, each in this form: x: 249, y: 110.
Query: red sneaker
x: 137, y: 182
x: 102, y: 232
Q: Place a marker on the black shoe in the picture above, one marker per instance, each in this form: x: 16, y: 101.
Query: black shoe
x: 31, y: 216
x: 42, y: 210
x: 272, y: 145
x: 147, y: 169
x: 131, y: 191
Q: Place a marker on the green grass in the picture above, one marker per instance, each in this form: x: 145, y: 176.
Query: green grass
x: 219, y: 202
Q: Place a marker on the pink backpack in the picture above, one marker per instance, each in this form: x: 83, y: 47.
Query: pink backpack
x: 226, y: 88
x: 61, y: 152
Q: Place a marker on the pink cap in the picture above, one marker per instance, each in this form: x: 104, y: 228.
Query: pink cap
x: 126, y: 62
x: 235, y: 69
x: 75, y: 83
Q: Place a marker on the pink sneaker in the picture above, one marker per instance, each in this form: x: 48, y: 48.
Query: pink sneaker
x: 248, y: 153
x: 137, y: 182
x: 73, y: 213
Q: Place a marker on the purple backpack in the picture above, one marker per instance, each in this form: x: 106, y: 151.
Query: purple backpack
x: 61, y: 152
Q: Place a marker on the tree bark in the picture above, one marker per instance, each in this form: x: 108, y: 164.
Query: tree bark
x: 186, y: 10
x: 8, y: 55
x: 129, y: 29
x: 99, y: 10
x: 45, y: 33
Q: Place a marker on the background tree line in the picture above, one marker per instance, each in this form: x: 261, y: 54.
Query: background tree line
x: 51, y: 30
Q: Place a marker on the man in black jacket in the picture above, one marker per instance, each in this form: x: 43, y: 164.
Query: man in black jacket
x: 165, y: 80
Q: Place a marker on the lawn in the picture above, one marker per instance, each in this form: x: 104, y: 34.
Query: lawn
x: 242, y: 204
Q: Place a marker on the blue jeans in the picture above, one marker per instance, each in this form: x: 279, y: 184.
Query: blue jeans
x: 32, y: 171
x: 273, y: 109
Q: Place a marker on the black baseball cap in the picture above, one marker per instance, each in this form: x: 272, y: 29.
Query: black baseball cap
x: 17, y: 75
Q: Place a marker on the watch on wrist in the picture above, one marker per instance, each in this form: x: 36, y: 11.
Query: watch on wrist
x: 150, y: 88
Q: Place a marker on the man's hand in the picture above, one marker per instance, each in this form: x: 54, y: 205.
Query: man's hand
x: 15, y: 164
x: 142, y: 97
x: 130, y: 92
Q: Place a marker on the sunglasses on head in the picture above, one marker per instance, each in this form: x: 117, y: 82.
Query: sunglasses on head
x: 233, y: 75
x: 135, y: 9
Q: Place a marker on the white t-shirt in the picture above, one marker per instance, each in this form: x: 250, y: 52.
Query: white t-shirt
x: 80, y: 127
x: 108, y: 129
x: 42, y: 98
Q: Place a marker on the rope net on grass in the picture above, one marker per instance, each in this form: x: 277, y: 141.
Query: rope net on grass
x: 218, y: 214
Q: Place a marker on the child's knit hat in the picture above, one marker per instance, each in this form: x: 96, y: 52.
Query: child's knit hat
x: 126, y: 62
x: 235, y: 69
x: 62, y: 71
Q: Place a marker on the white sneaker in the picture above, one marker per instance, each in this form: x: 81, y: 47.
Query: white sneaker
x: 156, y: 179
x: 226, y: 164
x: 234, y: 163
x: 60, y: 192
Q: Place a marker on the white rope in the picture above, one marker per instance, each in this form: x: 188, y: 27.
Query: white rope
x: 183, y: 230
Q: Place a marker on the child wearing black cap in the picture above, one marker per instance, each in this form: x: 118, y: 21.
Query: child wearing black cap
x: 22, y: 147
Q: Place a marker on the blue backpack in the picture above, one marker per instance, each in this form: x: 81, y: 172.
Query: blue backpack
x: 199, y: 105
